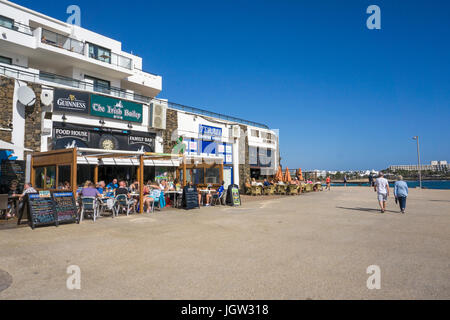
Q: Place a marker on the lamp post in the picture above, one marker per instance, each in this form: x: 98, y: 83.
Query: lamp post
x: 418, y: 156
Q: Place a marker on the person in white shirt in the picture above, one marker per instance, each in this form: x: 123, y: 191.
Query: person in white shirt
x: 382, y: 190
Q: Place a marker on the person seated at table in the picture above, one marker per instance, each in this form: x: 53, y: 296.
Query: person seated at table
x: 89, y: 190
x: 281, y: 183
x: 67, y: 185
x: 134, y: 188
x: 113, y: 185
x: 163, y: 185
x: 152, y: 192
x: 219, y: 192
x: 266, y: 183
x: 122, y: 189
x: 255, y: 183
x: 27, y: 189
x: 101, y: 187
x: 177, y: 185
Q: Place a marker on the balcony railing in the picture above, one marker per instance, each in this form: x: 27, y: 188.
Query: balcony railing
x: 73, y: 45
x: 63, y: 42
x: 121, y: 61
x: 117, y: 92
x: 114, y: 59
x: 16, y: 26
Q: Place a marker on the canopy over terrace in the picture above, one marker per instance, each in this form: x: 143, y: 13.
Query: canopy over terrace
x: 69, y: 158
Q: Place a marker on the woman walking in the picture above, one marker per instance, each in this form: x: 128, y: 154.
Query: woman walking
x: 401, y: 193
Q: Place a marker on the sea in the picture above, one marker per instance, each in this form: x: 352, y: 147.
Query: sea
x: 427, y: 184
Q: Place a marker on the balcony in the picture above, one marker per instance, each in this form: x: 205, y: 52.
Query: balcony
x: 16, y: 26
x: 105, y: 55
x: 63, y: 42
x: 84, y: 85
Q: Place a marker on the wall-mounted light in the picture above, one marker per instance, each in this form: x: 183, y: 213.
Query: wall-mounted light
x: 130, y: 126
x: 64, y: 118
x: 102, y: 122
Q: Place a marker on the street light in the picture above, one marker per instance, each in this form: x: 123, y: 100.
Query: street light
x: 418, y: 156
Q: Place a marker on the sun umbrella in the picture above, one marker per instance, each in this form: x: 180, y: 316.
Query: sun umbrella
x: 279, y: 175
x: 300, y: 174
x: 287, y: 176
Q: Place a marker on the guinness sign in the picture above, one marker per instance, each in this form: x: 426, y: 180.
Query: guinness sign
x: 70, y: 101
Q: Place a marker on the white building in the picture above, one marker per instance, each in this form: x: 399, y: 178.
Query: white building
x: 77, y: 67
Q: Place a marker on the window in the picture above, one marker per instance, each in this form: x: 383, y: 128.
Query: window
x: 45, y: 178
x: 5, y: 60
x: 99, y: 53
x: 100, y: 85
x: 254, y: 133
x: 212, y: 176
x: 6, y: 22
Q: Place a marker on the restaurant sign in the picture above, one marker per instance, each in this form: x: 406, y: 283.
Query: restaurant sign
x: 70, y: 101
x: 210, y: 133
x: 107, y: 107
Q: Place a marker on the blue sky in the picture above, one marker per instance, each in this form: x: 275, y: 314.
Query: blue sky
x: 343, y: 97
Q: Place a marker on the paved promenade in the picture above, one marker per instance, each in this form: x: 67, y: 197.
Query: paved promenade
x: 314, y: 246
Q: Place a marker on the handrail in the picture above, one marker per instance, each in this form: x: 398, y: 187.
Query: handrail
x: 19, y: 27
x: 62, y: 41
x: 121, y: 94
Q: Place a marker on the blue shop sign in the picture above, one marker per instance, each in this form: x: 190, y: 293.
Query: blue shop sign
x: 210, y: 133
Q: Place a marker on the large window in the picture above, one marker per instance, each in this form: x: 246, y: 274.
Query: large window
x: 45, y: 178
x: 212, y: 176
x: 5, y: 60
x: 99, y: 53
x: 6, y: 22
x: 100, y: 85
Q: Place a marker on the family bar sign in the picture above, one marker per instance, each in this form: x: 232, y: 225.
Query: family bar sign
x: 107, y: 107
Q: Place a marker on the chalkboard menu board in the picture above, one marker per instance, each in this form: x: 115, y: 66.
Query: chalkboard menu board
x: 233, y: 196
x: 12, y: 170
x: 41, y: 209
x: 190, y: 198
x: 65, y: 207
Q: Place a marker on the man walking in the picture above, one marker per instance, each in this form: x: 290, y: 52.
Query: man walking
x: 382, y: 189
x: 328, y: 183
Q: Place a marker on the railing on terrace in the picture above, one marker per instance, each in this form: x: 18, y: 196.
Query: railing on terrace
x: 63, y: 42
x: 117, y: 92
x: 213, y: 114
x: 16, y: 26
x: 121, y: 61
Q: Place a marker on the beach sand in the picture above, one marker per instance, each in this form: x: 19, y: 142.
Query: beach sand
x: 313, y: 246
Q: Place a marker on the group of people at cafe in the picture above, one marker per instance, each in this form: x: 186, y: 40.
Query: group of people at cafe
x: 162, y: 192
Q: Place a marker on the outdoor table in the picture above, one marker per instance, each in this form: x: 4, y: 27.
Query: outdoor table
x: 176, y: 194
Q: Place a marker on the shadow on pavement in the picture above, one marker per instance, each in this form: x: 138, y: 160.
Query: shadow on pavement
x: 367, y: 210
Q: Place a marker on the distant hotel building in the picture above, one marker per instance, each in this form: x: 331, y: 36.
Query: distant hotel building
x: 434, y: 166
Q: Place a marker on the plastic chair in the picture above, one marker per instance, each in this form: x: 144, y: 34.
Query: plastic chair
x: 89, y: 205
x: 123, y: 203
x: 220, y: 200
x: 156, y: 195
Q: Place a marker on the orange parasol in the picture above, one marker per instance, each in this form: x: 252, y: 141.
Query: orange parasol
x: 279, y: 175
x: 287, y: 176
x: 300, y: 174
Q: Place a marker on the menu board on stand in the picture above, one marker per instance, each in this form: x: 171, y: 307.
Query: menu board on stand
x: 234, y: 196
x: 190, y: 198
x: 65, y: 207
x: 41, y: 209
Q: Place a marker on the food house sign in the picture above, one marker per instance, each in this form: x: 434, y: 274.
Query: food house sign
x: 107, y: 107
